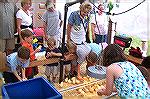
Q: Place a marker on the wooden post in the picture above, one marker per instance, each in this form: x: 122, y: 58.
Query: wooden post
x: 109, y: 31
x: 3, y: 66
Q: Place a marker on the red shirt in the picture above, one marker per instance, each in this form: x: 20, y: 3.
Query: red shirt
x: 30, y: 47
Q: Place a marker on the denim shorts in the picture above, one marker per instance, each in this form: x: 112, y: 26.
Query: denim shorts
x: 100, y: 38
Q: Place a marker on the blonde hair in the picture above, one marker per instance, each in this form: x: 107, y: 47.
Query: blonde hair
x: 85, y: 6
x: 51, y: 40
x: 71, y: 45
x: 23, y: 2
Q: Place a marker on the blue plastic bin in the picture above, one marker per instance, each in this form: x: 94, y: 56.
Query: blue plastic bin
x: 37, y: 88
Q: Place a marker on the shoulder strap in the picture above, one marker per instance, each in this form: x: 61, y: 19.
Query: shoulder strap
x: 59, y: 15
x: 84, y: 26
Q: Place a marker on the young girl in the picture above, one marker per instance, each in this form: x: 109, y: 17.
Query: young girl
x: 126, y: 77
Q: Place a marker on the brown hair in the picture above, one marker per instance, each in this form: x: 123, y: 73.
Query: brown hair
x: 146, y: 62
x: 26, y: 33
x: 92, y: 57
x: 113, y: 53
x: 23, y: 52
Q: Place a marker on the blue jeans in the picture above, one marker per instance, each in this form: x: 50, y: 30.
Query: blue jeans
x: 100, y: 38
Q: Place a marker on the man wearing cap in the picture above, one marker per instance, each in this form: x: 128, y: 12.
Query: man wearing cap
x: 52, y: 22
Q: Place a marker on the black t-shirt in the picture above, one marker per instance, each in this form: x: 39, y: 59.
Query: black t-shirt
x: 56, y: 50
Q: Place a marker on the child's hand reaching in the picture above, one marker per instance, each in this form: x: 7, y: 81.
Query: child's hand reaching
x: 23, y: 79
x: 52, y: 53
x: 101, y: 91
x: 49, y: 54
x: 69, y: 57
x: 38, y: 49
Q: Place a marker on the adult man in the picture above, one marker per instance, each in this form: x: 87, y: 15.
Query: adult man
x: 8, y: 11
x: 52, y: 22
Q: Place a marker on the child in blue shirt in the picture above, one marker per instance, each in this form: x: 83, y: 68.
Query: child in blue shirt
x: 17, y: 62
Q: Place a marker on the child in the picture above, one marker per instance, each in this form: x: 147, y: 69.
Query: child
x: 94, y: 55
x: 52, y: 70
x: 127, y: 78
x: 71, y: 47
x: 17, y: 62
x: 82, y: 51
x: 91, y: 59
x: 52, y: 22
x: 71, y: 55
x: 27, y: 37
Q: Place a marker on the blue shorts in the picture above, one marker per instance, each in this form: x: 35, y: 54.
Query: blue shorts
x: 100, y: 38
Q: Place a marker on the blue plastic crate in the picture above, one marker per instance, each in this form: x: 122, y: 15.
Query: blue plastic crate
x: 37, y: 88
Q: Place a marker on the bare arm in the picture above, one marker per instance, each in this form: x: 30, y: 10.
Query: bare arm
x: 18, y: 28
x: 114, y: 89
x: 51, y: 54
x: 23, y: 74
x: 45, y: 29
x: 92, y: 30
x: 56, y: 54
x: 68, y: 32
x: 16, y: 74
x: 34, y: 52
x: 109, y: 82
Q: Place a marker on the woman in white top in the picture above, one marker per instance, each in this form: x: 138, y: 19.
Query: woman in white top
x: 24, y: 17
x: 99, y: 26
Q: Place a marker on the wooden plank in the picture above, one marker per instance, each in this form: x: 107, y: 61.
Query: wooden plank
x: 3, y: 66
x: 43, y: 62
x: 49, y: 61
